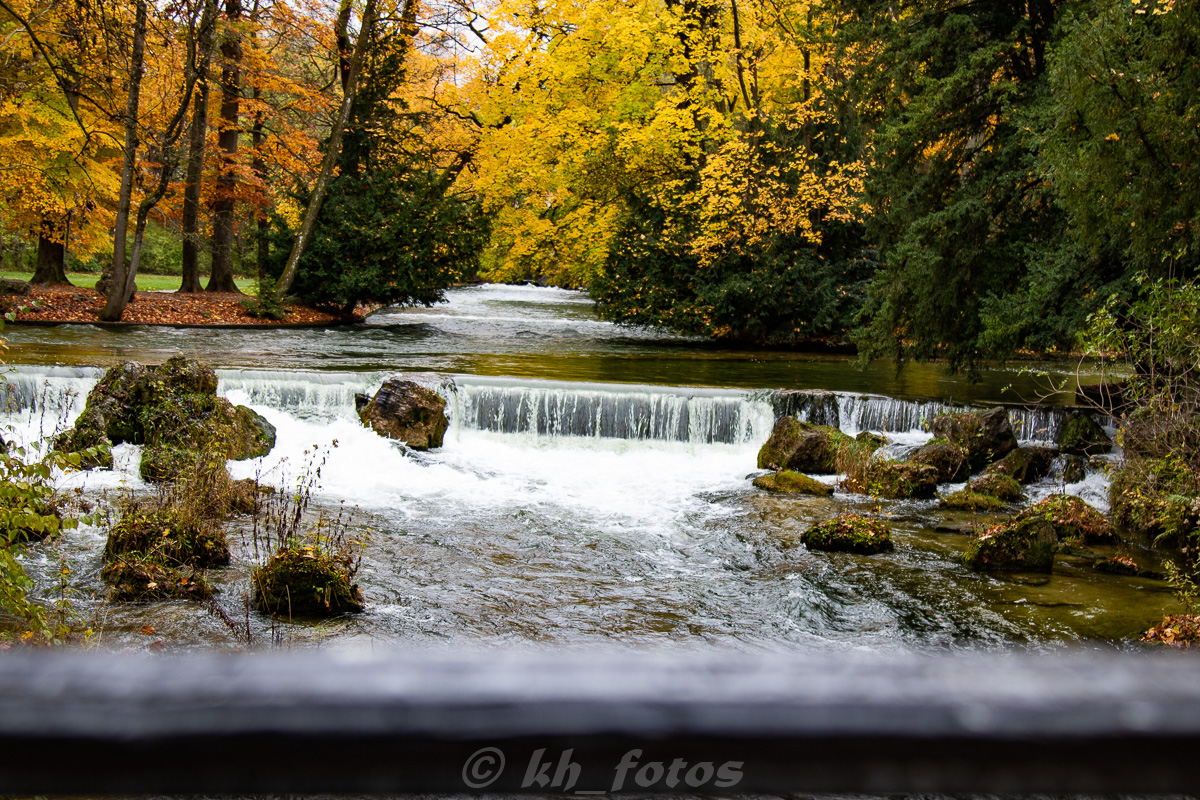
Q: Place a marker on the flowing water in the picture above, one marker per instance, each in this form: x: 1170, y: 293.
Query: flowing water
x: 593, y: 488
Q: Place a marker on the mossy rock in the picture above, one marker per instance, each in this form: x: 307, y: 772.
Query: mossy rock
x: 174, y: 405
x: 895, y: 480
x: 1074, y: 468
x: 1023, y: 548
x: 849, y: 533
x: 950, y: 460
x: 306, y: 582
x: 966, y: 500
x: 997, y: 485
x: 1082, y: 435
x: 1070, y: 518
x: 798, y: 446
x: 986, y: 435
x: 1117, y: 565
x: 1025, y: 464
x: 1030, y: 541
x: 790, y: 482
x: 140, y: 579
x: 165, y: 535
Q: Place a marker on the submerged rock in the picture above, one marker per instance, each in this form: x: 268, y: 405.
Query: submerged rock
x: 994, y: 484
x: 407, y: 412
x: 893, y: 479
x: 950, y: 460
x: 985, y: 435
x: 791, y: 482
x: 799, y: 446
x: 966, y: 500
x: 1025, y: 464
x: 849, y: 533
x: 1082, y: 435
x: 170, y: 409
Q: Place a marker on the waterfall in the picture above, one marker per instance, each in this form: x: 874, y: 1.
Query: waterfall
x: 854, y: 413
x: 547, y: 409
x: 613, y: 412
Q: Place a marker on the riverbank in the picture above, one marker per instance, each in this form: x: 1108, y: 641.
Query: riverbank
x: 48, y: 305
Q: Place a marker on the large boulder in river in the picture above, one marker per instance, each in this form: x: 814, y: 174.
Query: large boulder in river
x: 950, y: 460
x: 172, y: 410
x: 408, y: 412
x: 1026, y: 464
x: 893, y: 479
x: 802, y: 447
x: 985, y: 435
x: 1082, y: 435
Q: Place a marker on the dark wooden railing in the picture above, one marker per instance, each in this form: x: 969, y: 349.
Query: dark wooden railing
x: 592, y: 723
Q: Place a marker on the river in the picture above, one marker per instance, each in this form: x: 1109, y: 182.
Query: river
x: 593, y: 489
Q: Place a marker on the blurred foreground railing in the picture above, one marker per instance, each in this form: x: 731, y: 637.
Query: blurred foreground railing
x: 595, y: 724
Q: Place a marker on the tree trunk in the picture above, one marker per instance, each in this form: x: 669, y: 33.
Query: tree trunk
x: 221, y: 279
x: 258, y: 139
x: 116, y: 292
x: 191, y: 193
x: 51, y: 256
x: 331, y: 153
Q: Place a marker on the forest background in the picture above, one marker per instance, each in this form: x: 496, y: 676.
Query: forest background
x: 950, y: 179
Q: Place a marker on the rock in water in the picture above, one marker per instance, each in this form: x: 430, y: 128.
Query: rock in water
x: 1025, y: 464
x: 408, y: 412
x: 172, y: 410
x: 849, y: 533
x: 1030, y: 541
x: 985, y: 435
x: 1082, y: 435
x: 950, y: 460
x: 790, y: 482
x: 798, y: 446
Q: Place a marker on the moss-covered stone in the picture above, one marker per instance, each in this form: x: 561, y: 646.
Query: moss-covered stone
x: 1074, y: 468
x: 798, y: 446
x: 1030, y: 541
x: 966, y: 500
x: 1117, y: 565
x: 166, y: 535
x: 145, y: 580
x: 1025, y: 464
x: 306, y: 581
x: 1081, y: 434
x: 1071, y: 519
x: 950, y: 460
x: 997, y: 485
x: 791, y: 482
x: 1022, y: 548
x: 985, y: 435
x: 157, y: 553
x: 170, y: 407
x: 893, y: 479
x: 849, y: 533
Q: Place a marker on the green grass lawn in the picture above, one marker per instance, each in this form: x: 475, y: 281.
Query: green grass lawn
x: 145, y: 283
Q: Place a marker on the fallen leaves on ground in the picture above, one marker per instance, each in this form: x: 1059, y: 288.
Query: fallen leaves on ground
x: 70, y: 304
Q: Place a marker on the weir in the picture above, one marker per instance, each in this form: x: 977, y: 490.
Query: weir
x: 552, y: 409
